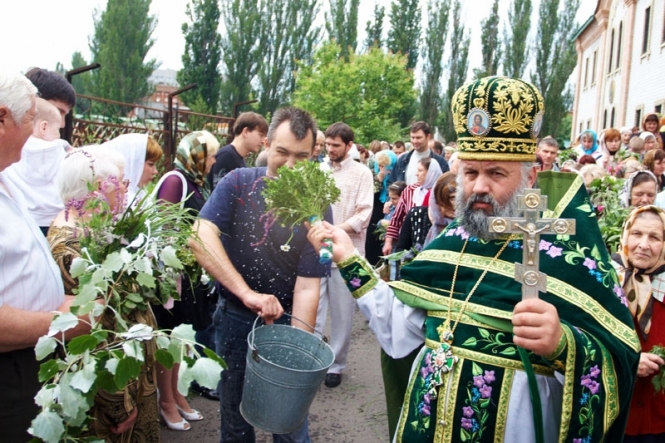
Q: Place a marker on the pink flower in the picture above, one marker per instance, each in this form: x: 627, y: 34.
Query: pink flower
x: 489, y: 377
x: 355, y: 282
x: 544, y: 245
x: 594, y: 372
x: 554, y: 252
x: 589, y: 263
x: 478, y: 381
x: 467, y: 423
x: 486, y: 391
x: 467, y: 411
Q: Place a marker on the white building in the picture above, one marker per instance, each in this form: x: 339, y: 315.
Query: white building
x: 620, y: 65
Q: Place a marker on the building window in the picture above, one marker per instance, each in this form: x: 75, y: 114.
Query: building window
x: 611, y: 118
x: 593, y: 68
x: 658, y: 108
x: 638, y: 117
x: 605, y: 118
x: 588, y: 124
x: 619, y: 45
x: 609, y: 66
x: 647, y: 30
x: 663, y: 37
x: 586, y: 72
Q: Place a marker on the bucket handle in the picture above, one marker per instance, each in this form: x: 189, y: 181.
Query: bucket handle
x: 255, y: 352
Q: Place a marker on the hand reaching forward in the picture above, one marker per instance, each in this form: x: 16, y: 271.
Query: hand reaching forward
x: 649, y: 364
x: 536, y: 326
x: 342, y: 245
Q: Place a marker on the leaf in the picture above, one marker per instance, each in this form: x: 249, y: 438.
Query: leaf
x: 185, y: 379
x: 126, y: 256
x: 471, y: 341
x: 47, y: 370
x: 212, y: 354
x: 83, y: 379
x: 146, y: 280
x: 484, y: 332
x: 207, y: 372
x: 508, y: 351
x: 71, y: 399
x: 184, y: 332
x: 112, y: 365
x: 98, y: 276
x: 163, y: 342
x: 139, y: 332
x: 82, y: 343
x: 47, y: 395
x: 78, y: 267
x: 128, y: 369
x: 113, y: 262
x: 138, y: 241
x: 133, y: 349
x: 164, y: 358
x: 48, y: 426
x: 168, y: 256
x: 106, y: 381
x: 87, y: 293
x: 476, y: 369
x: 62, y: 323
x: 45, y: 346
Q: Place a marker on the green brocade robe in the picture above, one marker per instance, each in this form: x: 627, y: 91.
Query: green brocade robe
x: 597, y: 356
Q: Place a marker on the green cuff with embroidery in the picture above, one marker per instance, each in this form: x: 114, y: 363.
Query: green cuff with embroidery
x: 557, y: 358
x: 359, y: 275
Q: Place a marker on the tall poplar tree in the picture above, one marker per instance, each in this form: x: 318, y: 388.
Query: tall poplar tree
x: 342, y: 24
x: 555, y: 59
x: 516, y: 39
x: 241, y: 53
x: 122, y: 39
x: 374, y: 29
x: 200, y: 61
x: 458, y: 67
x: 404, y: 33
x: 304, y: 36
x: 435, y: 41
x: 491, y: 44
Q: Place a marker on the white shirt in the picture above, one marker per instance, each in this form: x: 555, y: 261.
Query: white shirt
x: 29, y: 277
x: 412, y: 167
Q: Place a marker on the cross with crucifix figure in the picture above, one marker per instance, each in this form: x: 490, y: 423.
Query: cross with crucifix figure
x: 531, y: 203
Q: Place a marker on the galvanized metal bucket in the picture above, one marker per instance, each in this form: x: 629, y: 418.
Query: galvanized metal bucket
x: 285, y: 367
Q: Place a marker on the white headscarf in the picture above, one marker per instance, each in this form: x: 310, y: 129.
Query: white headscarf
x: 133, y: 148
x: 433, y: 174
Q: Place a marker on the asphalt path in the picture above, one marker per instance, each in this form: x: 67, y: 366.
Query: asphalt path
x: 353, y: 412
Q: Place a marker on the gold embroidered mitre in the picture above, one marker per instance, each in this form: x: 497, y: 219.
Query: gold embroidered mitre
x: 497, y: 119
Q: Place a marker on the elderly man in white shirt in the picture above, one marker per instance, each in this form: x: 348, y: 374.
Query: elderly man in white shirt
x: 31, y: 288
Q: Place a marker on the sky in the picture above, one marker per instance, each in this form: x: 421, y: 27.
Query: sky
x: 57, y: 29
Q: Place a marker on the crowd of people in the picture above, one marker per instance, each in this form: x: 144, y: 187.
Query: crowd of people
x: 463, y: 356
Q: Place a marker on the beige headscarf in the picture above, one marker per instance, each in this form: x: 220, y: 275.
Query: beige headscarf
x: 641, y: 286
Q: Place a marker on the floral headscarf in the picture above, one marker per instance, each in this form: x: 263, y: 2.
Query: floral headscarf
x: 190, y: 159
x: 624, y: 194
x: 595, y: 142
x: 641, y: 286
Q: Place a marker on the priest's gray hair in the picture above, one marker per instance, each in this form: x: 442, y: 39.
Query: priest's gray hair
x: 16, y: 93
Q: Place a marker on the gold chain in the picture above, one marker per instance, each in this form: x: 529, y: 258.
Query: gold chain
x: 468, y: 297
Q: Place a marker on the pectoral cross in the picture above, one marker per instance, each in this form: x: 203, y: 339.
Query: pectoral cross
x: 531, y: 203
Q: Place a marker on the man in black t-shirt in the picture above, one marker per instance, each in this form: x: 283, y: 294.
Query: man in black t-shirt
x: 249, y: 132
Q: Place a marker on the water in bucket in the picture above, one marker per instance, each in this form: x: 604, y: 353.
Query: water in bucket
x: 285, y: 367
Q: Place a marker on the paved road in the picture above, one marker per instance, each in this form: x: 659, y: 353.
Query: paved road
x: 354, y: 412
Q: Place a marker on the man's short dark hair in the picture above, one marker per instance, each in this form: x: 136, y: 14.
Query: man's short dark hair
x: 437, y: 147
x: 52, y: 86
x: 300, y: 123
x: 420, y: 126
x: 251, y: 121
x: 399, y: 144
x: 341, y: 130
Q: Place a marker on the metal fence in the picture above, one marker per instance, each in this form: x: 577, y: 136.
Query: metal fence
x: 97, y: 120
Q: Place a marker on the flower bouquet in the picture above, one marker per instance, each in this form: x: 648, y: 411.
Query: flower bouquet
x: 127, y: 262
x: 604, y: 194
x: 301, y: 193
x: 658, y: 379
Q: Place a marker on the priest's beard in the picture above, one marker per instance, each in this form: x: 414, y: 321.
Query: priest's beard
x: 476, y: 221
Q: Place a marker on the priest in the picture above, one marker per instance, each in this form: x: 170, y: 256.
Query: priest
x: 490, y: 365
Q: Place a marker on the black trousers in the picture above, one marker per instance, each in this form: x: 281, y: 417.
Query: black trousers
x: 19, y: 384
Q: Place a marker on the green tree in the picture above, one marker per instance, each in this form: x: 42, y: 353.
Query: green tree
x: 435, y: 41
x: 404, y: 34
x: 458, y: 67
x: 80, y: 83
x: 200, y: 61
x: 367, y: 92
x: 342, y: 25
x: 491, y: 44
x: 555, y: 60
x: 287, y: 35
x: 241, y: 53
x: 516, y: 41
x: 374, y: 29
x: 120, y: 44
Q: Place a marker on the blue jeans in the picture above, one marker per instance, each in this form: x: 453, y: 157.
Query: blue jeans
x: 232, y: 325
